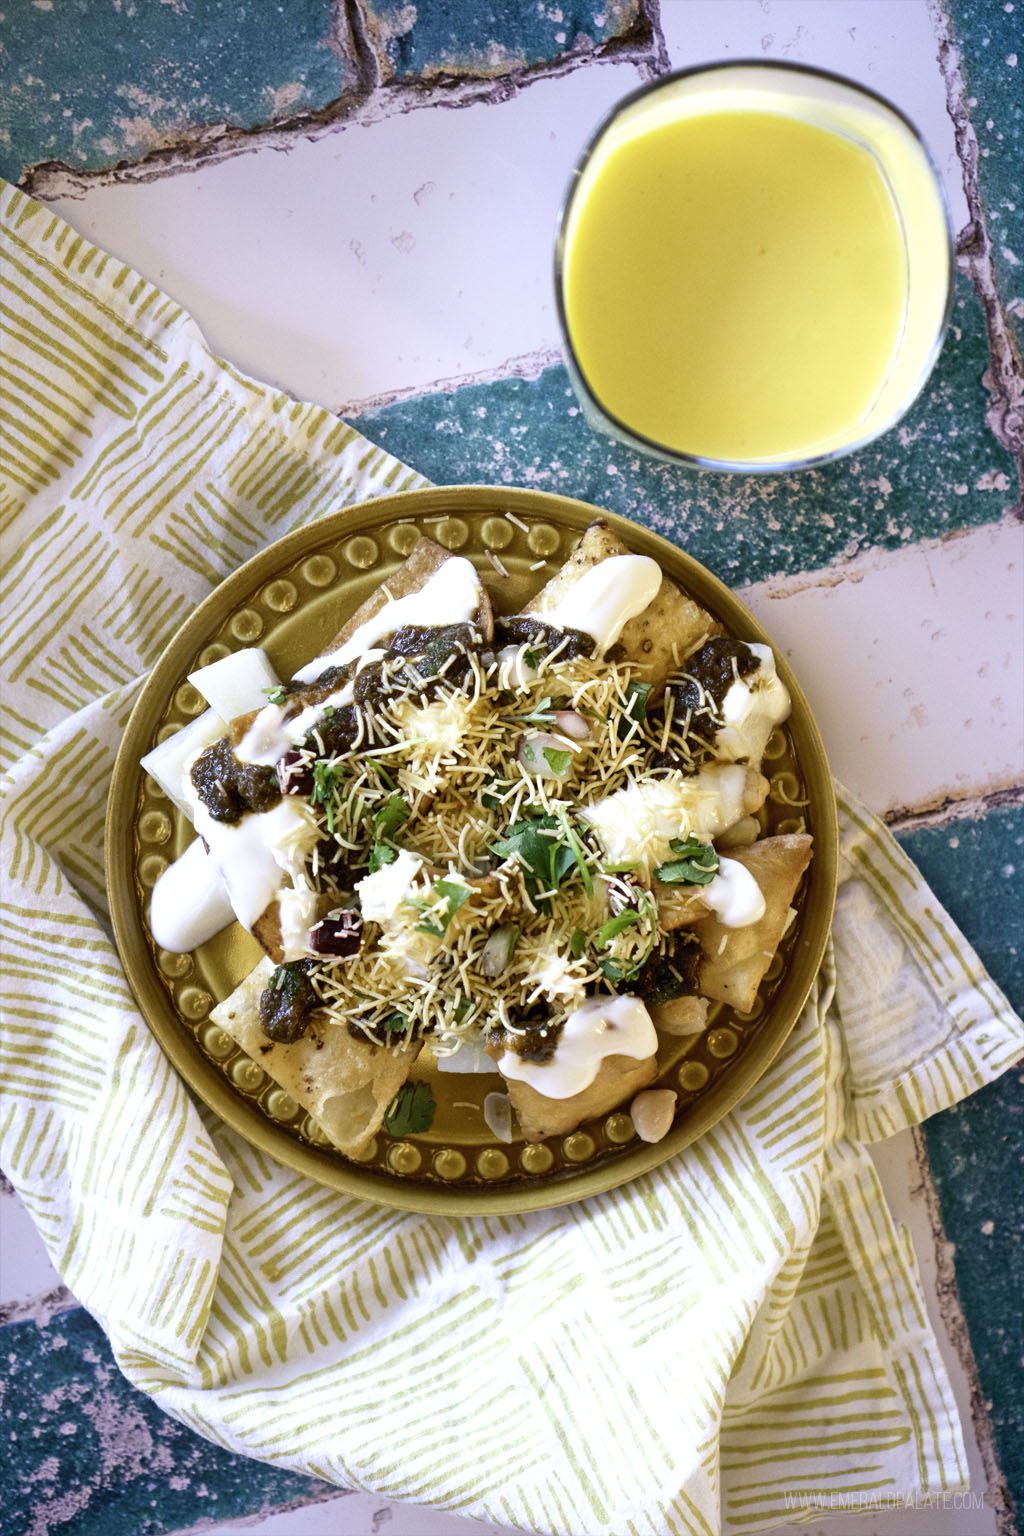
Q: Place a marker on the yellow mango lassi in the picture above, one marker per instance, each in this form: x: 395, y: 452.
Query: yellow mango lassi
x: 735, y: 284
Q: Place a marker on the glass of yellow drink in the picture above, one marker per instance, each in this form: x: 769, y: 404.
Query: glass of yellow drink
x: 754, y: 268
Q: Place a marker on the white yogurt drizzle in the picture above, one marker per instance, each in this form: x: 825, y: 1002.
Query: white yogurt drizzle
x: 734, y: 895
x: 450, y: 596
x: 600, y: 1027
x: 297, y: 907
x: 251, y: 853
x: 603, y: 600
x: 271, y: 735
x: 190, y: 902
x: 752, y: 708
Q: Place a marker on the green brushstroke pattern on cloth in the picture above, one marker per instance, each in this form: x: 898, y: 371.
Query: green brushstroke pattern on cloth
x: 144, y: 469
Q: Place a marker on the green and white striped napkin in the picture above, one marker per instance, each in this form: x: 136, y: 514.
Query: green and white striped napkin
x: 735, y: 1336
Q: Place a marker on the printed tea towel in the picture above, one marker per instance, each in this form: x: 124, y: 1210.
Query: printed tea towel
x: 734, y: 1337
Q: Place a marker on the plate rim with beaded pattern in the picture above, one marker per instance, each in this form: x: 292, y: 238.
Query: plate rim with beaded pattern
x: 281, y: 597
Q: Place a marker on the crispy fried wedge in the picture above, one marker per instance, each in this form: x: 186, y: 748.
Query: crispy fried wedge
x: 735, y: 959
x: 617, y: 1080
x: 344, y: 1082
x: 420, y: 564
x: 654, y: 641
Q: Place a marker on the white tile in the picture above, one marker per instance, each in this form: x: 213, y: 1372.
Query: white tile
x: 356, y: 1514
x: 376, y: 258
x: 25, y: 1268
x: 913, y: 665
x: 417, y: 249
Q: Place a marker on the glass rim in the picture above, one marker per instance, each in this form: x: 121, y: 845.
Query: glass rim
x: 629, y: 435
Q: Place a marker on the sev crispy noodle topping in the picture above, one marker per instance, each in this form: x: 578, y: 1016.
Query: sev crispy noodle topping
x: 459, y: 819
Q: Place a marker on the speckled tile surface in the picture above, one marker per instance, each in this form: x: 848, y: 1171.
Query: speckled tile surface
x: 85, y: 1452
x: 976, y: 1149
x: 489, y: 40
x: 92, y: 83
x: 990, y: 42
x: 930, y: 477
x: 112, y: 89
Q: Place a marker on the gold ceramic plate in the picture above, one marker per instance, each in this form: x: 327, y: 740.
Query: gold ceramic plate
x: 292, y: 599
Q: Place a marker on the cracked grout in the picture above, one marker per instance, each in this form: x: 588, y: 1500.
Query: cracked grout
x: 953, y: 809
x: 372, y: 99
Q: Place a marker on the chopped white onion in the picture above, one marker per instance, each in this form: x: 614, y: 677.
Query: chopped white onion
x: 498, y: 1115
x: 540, y: 752
x: 571, y: 723
x: 167, y: 762
x: 237, y: 683
x: 497, y: 951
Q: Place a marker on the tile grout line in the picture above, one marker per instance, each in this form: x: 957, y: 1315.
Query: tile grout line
x: 953, y: 810
x: 955, y: 1323
x: 526, y: 365
x: 368, y: 101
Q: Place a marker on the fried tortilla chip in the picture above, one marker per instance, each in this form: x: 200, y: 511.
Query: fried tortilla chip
x: 678, y: 905
x: 267, y: 927
x: 424, y: 559
x: 618, y: 1078
x: 735, y: 959
x: 657, y: 639
x: 344, y: 1082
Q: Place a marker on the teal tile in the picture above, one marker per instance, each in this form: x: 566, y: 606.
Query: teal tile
x: 976, y: 1150
x: 92, y: 83
x: 938, y: 472
x: 990, y: 38
x: 85, y: 1454
x: 444, y: 38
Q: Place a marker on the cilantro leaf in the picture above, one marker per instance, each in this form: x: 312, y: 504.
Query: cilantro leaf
x: 455, y: 895
x: 616, y: 970
x: 636, y: 706
x: 545, y: 859
x: 381, y: 854
x: 557, y: 761
x: 576, y: 943
x: 390, y: 817
x: 697, y: 863
x: 326, y: 777
x: 540, y: 711
x: 411, y: 1111
x: 386, y: 823
x: 577, y: 850
x: 614, y: 925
